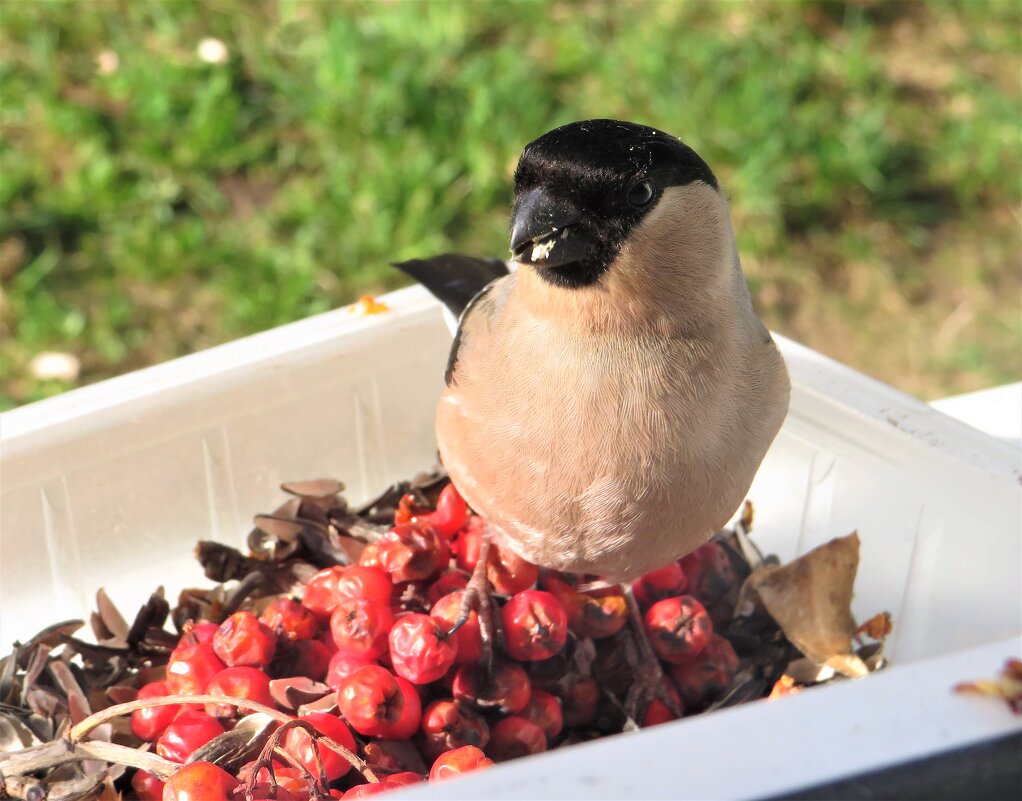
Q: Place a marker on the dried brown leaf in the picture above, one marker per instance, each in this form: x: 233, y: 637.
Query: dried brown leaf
x: 279, y: 527
x: 878, y: 627
x: 379, y: 753
x: 810, y: 598
x: 328, y: 703
x: 15, y: 735
x: 78, y: 704
x: 318, y: 488
x: 53, y: 636
x: 152, y: 615
x: 296, y: 691
x: 121, y: 694
x: 113, y: 623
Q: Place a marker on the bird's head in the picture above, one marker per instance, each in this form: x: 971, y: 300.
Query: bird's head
x: 605, y: 204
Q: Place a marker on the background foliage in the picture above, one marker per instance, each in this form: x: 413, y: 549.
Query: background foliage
x: 155, y: 203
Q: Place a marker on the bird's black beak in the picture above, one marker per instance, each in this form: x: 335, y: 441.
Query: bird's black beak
x: 546, y: 231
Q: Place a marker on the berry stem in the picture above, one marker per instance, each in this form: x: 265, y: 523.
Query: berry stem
x: 58, y: 752
x: 315, y: 785
x: 81, y: 729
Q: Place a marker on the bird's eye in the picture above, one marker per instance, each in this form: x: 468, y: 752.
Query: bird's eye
x: 641, y: 193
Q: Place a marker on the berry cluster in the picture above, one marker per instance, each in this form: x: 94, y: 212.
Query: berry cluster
x: 366, y: 664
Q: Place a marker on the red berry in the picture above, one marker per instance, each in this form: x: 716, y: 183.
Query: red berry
x: 300, y: 744
x: 708, y: 675
x: 190, y: 730
x: 411, y: 713
x: 191, y: 668
x: 405, y: 777
x: 451, y: 513
x: 658, y: 712
x: 149, y: 723
x: 580, y: 702
x: 379, y: 704
x: 468, y: 639
x: 590, y: 614
x: 506, y: 689
x: 343, y: 665
x: 146, y: 786
x: 664, y: 582
x: 320, y: 595
x: 460, y: 760
x: 413, y: 552
x: 544, y: 709
x: 447, y: 725
x: 408, y: 510
x: 243, y: 641
x: 370, y: 788
x: 466, y: 546
x: 508, y: 572
x: 678, y: 628
x: 238, y: 682
x: 451, y: 581
x: 515, y: 737
x: 385, y: 756
x: 200, y: 781
x: 360, y: 627
x: 710, y: 572
x: 535, y: 626
x: 194, y: 633
x: 420, y: 649
x: 288, y: 619
x: 309, y: 658
x: 359, y: 581
x: 370, y: 557
x: 326, y: 639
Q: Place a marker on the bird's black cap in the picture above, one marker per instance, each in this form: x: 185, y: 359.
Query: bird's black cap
x: 600, y: 152
x: 581, y: 188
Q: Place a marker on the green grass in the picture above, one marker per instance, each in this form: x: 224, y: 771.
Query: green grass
x: 871, y: 151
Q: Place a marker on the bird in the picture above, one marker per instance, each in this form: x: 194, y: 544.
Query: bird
x: 610, y: 391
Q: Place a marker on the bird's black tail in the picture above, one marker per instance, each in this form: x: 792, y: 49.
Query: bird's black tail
x: 452, y: 278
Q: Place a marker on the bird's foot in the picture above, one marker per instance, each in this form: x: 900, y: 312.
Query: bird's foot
x: 650, y: 683
x: 478, y: 598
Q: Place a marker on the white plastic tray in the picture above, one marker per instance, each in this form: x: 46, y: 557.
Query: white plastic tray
x: 111, y: 485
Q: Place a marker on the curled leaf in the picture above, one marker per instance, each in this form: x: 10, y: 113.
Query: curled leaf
x: 811, y: 598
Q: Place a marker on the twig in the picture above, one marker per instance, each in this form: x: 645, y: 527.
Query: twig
x: 73, y: 748
x: 58, y: 752
x: 81, y: 729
